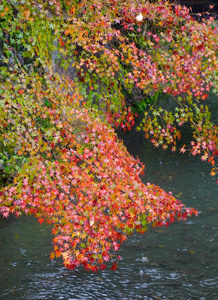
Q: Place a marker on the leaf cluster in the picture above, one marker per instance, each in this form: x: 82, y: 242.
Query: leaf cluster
x: 67, y: 69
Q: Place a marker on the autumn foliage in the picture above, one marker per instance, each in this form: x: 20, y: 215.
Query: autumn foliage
x: 66, y: 164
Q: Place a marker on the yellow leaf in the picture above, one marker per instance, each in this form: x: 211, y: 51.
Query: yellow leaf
x: 26, y: 14
x: 212, y: 173
x: 52, y: 256
x: 65, y: 255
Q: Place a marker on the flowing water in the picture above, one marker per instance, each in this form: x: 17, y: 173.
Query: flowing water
x: 179, y: 262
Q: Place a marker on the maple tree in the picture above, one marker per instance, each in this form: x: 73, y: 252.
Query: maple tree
x: 57, y: 142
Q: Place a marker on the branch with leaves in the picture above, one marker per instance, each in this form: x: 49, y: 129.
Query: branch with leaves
x: 69, y: 168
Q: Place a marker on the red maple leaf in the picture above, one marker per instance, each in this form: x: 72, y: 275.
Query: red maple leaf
x: 114, y: 266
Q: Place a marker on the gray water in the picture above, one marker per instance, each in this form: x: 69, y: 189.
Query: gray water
x: 179, y: 262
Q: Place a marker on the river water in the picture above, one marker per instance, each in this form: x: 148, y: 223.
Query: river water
x: 179, y: 262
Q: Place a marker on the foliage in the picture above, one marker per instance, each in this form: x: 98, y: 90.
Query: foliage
x: 86, y: 185
x: 69, y: 168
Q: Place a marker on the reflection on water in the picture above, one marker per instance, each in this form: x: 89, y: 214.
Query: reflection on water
x: 179, y: 262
